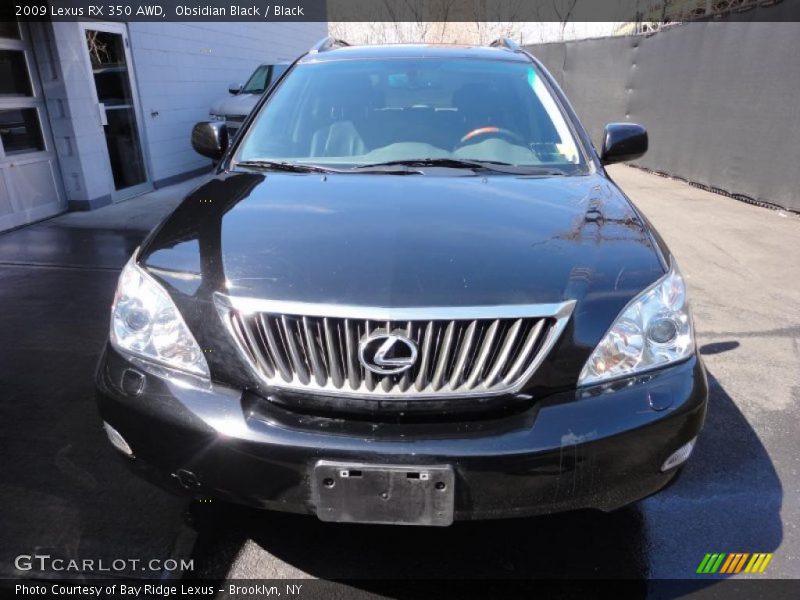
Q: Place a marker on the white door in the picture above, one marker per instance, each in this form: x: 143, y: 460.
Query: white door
x: 109, y: 61
x: 30, y: 183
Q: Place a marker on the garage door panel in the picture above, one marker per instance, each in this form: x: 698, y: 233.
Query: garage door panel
x: 32, y: 184
x: 5, y: 198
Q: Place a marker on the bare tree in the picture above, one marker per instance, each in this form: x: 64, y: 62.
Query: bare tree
x: 98, y: 50
x: 563, y: 10
x: 398, y: 21
x: 450, y: 21
x: 493, y: 20
x: 424, y: 21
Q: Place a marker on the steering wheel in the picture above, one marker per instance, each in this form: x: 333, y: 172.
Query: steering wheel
x: 493, y: 131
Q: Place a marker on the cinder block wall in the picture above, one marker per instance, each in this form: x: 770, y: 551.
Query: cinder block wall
x: 181, y: 68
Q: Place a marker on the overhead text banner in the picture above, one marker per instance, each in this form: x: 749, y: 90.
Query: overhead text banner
x: 562, y: 11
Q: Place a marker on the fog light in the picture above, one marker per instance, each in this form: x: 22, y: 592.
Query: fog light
x: 117, y: 440
x: 132, y: 382
x: 680, y: 456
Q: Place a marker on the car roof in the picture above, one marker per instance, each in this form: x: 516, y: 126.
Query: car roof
x: 409, y: 51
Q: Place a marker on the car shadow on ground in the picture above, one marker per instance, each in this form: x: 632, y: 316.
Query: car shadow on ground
x: 727, y: 499
x: 64, y: 492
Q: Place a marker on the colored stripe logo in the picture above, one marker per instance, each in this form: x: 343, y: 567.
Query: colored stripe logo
x: 735, y: 562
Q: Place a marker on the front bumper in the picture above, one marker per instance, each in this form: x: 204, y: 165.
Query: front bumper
x: 602, y: 447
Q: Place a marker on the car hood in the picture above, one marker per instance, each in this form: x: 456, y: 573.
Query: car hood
x: 240, y: 104
x: 417, y: 240
x: 409, y: 241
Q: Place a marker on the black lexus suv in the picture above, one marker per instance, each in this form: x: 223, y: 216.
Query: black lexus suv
x: 409, y: 293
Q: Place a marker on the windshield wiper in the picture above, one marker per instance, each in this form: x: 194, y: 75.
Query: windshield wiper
x: 274, y: 165
x: 404, y: 167
x: 305, y: 168
x: 460, y: 163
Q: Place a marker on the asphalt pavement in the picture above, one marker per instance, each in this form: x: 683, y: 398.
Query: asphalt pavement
x: 63, y: 488
x: 64, y: 491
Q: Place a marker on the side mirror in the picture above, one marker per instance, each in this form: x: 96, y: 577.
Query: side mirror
x: 210, y: 138
x: 623, y: 141
x: 235, y: 88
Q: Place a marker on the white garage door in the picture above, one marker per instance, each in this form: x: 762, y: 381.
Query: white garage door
x: 30, y: 184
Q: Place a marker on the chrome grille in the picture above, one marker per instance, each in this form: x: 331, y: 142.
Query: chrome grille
x: 305, y: 349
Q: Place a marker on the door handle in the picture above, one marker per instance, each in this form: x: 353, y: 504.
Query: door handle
x: 103, y: 118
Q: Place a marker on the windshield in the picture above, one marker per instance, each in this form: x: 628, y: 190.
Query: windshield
x: 262, y: 77
x: 347, y: 114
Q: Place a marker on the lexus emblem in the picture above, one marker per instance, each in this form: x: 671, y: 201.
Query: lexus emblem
x: 387, y: 353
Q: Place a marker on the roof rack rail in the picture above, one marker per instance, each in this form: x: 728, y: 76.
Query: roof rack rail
x: 506, y: 43
x: 326, y: 44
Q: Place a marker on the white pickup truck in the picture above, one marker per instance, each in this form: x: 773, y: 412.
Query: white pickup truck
x: 234, y: 109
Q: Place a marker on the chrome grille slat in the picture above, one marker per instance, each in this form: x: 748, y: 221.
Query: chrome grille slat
x: 463, y: 355
x: 334, y: 358
x: 503, y: 354
x: 276, y: 352
x: 320, y: 376
x: 297, y: 360
x: 351, y: 355
x: 256, y: 349
x: 473, y: 354
x: 483, y: 355
x: 444, y: 356
x: 425, y: 353
x: 522, y: 356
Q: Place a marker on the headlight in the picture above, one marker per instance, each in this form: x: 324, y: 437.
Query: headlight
x: 215, y: 117
x: 654, y: 330
x: 146, y: 323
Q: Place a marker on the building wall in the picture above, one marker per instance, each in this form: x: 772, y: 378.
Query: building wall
x: 182, y: 68
x: 74, y: 115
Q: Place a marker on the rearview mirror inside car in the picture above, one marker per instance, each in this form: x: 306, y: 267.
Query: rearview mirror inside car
x: 622, y: 142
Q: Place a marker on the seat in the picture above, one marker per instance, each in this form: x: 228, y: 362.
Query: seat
x: 340, y: 138
x: 346, y: 107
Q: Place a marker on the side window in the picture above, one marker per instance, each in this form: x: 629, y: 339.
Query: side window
x: 14, y: 79
x: 265, y: 79
x: 9, y: 29
x: 19, y: 131
x: 258, y: 80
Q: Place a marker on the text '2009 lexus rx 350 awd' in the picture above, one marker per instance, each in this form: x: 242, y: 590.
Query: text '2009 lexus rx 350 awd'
x: 410, y: 294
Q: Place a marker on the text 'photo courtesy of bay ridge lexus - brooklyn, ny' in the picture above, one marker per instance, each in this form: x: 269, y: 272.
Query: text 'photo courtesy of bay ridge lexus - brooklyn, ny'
x: 382, y: 307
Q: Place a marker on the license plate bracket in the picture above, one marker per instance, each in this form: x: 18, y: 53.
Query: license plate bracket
x: 386, y: 494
